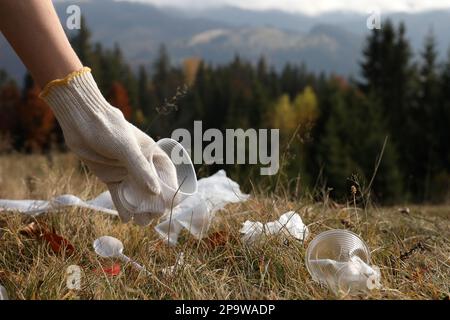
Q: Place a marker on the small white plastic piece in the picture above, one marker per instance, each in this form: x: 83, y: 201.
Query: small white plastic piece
x: 341, y: 260
x: 289, y: 224
x: 194, y: 214
x: 110, y: 247
x: 136, y: 200
x: 3, y: 293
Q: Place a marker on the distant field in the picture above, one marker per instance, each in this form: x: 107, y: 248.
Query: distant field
x: 412, y: 249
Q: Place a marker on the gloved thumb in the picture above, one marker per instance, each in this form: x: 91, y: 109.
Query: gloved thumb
x: 143, y: 171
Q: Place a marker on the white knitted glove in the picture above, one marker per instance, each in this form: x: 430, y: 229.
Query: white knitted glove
x: 112, y: 148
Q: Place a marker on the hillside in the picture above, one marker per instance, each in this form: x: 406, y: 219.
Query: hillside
x: 140, y: 29
x: 330, y: 42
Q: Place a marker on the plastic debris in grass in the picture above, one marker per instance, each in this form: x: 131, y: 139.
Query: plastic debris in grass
x: 175, y: 187
x: 110, y: 247
x: 3, y: 293
x: 179, y: 263
x: 102, y: 203
x: 341, y: 260
x: 194, y: 214
x: 289, y: 224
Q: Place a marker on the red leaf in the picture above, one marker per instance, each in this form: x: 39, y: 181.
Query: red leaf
x: 58, y: 243
x: 113, y: 271
x: 41, y: 231
x: 217, y: 239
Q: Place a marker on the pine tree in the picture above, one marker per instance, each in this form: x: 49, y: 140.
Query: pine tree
x: 262, y: 70
x: 9, y: 102
x: 334, y: 147
x: 351, y: 144
x: 444, y: 115
x: 441, y: 181
x: 391, y: 78
x: 424, y: 121
x: 371, y: 66
x: 97, y: 66
x: 387, y: 72
x: 161, y: 75
x: 130, y: 84
x: 81, y: 43
x: 143, y: 89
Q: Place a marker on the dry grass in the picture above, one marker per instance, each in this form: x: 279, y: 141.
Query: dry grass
x: 412, y: 250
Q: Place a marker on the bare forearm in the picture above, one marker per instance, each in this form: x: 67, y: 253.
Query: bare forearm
x: 34, y: 31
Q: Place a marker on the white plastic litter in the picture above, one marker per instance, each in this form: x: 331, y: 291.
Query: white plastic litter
x: 102, y: 203
x: 353, y: 276
x: 178, y: 265
x: 289, y: 224
x: 194, y: 214
x: 3, y: 293
x: 110, y: 247
x: 135, y: 199
x: 340, y: 259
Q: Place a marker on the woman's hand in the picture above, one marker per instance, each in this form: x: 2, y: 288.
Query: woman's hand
x: 112, y: 148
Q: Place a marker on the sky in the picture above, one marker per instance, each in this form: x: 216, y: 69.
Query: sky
x: 313, y: 7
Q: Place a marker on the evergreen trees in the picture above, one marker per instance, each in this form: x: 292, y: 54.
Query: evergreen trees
x: 387, y: 134
x: 352, y: 143
x: 425, y: 118
x: 411, y: 100
x: 81, y: 43
x: 9, y: 100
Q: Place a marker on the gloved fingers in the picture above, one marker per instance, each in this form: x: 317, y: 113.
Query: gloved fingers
x: 106, y: 173
x: 165, y: 169
x: 144, y: 139
x: 114, y: 165
x: 124, y: 214
x: 141, y: 170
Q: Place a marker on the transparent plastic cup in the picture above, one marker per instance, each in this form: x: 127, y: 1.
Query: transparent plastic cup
x: 340, y: 259
x: 136, y: 200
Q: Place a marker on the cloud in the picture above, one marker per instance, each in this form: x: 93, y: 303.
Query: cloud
x: 312, y: 7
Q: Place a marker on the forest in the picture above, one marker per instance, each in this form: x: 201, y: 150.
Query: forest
x: 383, y: 131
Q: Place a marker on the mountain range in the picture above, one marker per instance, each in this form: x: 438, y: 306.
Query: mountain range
x: 330, y: 42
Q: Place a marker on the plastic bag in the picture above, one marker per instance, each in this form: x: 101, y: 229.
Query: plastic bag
x: 196, y: 212
x: 289, y: 224
x: 193, y: 214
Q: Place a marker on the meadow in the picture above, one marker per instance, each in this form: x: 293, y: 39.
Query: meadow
x: 411, y: 247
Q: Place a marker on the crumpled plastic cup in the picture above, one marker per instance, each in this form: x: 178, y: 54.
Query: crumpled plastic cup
x: 134, y: 199
x: 341, y: 260
x: 3, y: 293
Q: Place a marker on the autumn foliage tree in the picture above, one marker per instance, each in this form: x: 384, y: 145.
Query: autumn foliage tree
x: 298, y: 115
x: 387, y: 131
x: 118, y: 97
x: 36, y: 121
x: 10, y: 98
